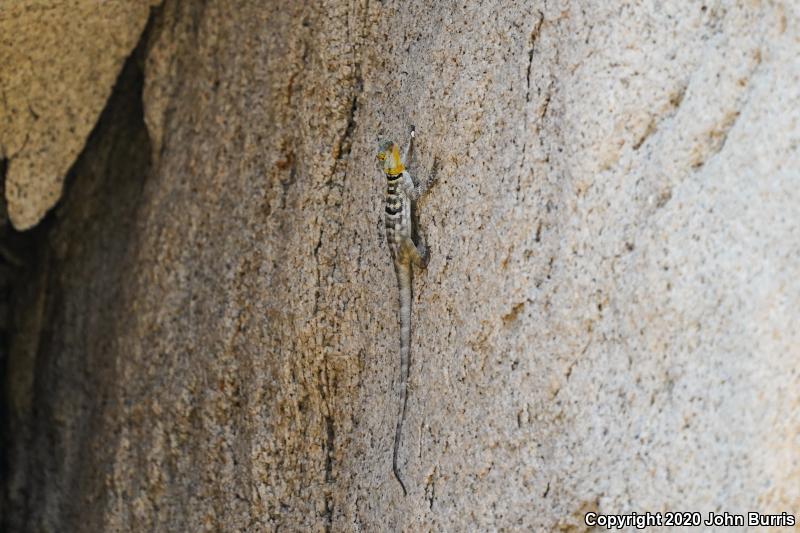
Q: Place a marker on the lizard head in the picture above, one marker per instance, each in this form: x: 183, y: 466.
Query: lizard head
x: 389, y: 158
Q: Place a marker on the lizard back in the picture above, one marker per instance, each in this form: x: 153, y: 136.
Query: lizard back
x: 397, y: 215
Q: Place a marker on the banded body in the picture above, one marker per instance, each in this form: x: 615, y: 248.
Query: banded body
x: 397, y: 216
x: 400, y: 194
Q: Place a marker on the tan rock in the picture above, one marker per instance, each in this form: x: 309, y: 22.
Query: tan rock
x: 59, y: 61
x: 609, y: 322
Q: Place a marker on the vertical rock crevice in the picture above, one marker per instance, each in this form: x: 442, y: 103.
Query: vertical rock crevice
x: 61, y: 295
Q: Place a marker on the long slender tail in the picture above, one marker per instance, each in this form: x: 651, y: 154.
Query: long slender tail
x: 404, y: 283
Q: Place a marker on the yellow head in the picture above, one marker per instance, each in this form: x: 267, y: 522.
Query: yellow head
x: 389, y: 157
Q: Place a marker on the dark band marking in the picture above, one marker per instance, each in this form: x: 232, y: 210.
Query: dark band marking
x: 394, y: 211
x: 394, y: 202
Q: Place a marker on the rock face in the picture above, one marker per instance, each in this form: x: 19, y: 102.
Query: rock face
x: 608, y: 323
x: 59, y: 61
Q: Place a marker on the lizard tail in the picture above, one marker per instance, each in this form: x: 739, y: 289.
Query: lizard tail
x: 404, y: 282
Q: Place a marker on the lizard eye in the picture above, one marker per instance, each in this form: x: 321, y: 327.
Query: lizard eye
x: 381, y: 156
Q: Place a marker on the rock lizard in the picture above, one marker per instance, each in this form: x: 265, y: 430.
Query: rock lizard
x: 401, y: 193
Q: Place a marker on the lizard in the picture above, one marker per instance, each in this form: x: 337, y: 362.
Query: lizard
x: 401, y: 194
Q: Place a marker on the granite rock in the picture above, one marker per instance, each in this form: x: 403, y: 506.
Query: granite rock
x: 608, y: 322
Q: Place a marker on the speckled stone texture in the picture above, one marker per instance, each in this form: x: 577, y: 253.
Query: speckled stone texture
x: 58, y: 63
x: 609, y: 321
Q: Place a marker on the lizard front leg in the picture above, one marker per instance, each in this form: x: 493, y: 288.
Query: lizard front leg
x: 409, y: 144
x: 415, y: 189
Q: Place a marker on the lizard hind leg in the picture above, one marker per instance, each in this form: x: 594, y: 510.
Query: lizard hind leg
x: 417, y: 253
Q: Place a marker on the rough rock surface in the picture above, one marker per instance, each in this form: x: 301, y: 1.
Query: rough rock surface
x: 609, y: 320
x: 59, y: 61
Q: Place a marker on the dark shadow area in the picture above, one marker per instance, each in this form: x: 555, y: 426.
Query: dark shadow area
x: 62, y: 298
